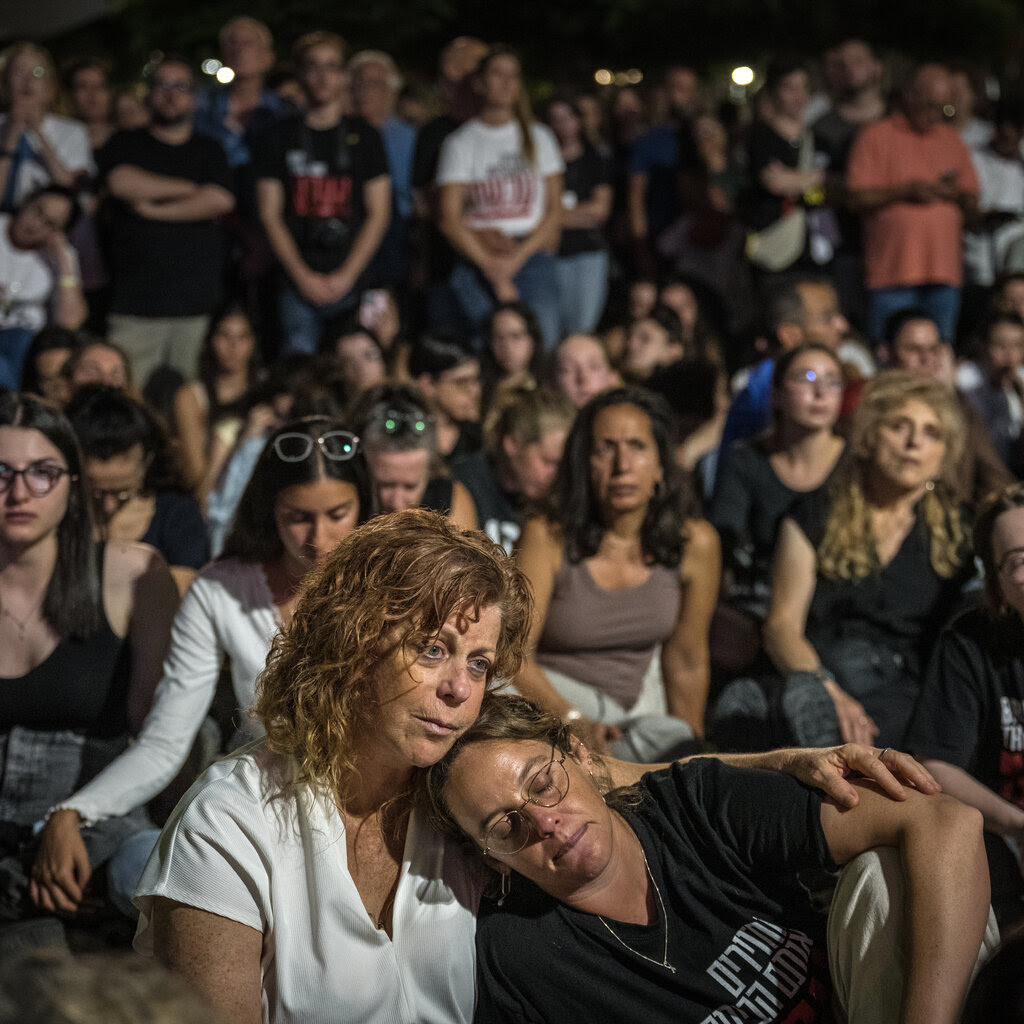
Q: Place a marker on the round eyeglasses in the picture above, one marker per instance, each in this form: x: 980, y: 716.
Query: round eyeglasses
x: 40, y: 477
x: 336, y: 445
x: 546, y: 787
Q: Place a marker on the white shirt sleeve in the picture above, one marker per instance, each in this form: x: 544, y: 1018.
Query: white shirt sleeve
x: 182, y: 698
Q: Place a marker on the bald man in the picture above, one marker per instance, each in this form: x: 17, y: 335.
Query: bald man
x: 911, y: 178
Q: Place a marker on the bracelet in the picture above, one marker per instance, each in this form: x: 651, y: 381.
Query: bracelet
x: 572, y: 715
x: 69, y: 281
x: 823, y: 675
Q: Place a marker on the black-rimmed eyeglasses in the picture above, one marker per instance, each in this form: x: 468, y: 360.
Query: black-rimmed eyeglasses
x: 546, y: 787
x: 336, y: 445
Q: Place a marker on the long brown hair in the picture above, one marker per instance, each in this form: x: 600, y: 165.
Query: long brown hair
x: 523, y: 110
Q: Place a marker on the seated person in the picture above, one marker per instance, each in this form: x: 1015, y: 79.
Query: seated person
x: 678, y: 900
x: 969, y: 721
x: 582, y: 369
x: 652, y: 341
x: 998, y: 395
x: 523, y: 444
x: 866, y: 573
x: 764, y: 476
x: 399, y: 439
x: 448, y: 376
x: 98, y: 362
x: 624, y: 582
x: 137, y: 494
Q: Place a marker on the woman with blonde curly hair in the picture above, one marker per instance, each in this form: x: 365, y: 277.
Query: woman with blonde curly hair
x: 868, y: 570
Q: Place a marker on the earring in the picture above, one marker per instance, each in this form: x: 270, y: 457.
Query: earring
x: 930, y: 486
x: 506, y: 887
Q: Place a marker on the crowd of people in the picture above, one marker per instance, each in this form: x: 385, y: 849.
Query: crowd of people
x: 695, y: 425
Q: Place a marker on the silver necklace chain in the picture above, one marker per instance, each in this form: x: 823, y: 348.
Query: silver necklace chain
x: 8, y: 614
x: 664, y: 920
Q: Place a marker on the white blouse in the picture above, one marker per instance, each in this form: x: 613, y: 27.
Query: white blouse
x: 246, y: 844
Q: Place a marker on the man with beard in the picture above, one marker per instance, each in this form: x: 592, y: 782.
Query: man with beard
x: 168, y: 187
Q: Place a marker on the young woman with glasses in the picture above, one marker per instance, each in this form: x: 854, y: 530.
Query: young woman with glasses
x: 83, y: 631
x: 299, y: 881
x: 307, y: 492
x: 678, y: 899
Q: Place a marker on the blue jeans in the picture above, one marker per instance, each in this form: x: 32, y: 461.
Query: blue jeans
x: 536, y: 282
x: 125, y: 868
x: 14, y: 343
x: 302, y: 323
x: 940, y: 301
x: 582, y: 291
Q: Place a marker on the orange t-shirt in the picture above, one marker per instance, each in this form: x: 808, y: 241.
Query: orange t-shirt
x: 910, y: 243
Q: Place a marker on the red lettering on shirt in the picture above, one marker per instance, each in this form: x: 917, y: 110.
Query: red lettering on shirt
x: 327, y: 196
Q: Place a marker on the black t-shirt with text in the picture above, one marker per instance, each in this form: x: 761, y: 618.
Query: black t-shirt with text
x: 724, y: 846
x: 323, y: 172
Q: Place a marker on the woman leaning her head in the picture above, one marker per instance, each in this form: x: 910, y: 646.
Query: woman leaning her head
x: 390, y: 586
x: 848, y: 548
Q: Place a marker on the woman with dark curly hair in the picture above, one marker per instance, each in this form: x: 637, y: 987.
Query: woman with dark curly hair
x: 617, y: 569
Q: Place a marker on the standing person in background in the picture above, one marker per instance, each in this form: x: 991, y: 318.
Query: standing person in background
x: 324, y: 196
x: 860, y: 101
x: 655, y: 161
x: 586, y: 206
x: 236, y: 115
x: 169, y: 187
x: 376, y: 83
x: 36, y: 147
x: 87, y: 85
x: 911, y: 179
x: 501, y: 200
x: 434, y: 254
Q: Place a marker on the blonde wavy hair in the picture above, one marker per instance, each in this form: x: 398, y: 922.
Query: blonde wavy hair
x: 389, y: 586
x: 848, y: 550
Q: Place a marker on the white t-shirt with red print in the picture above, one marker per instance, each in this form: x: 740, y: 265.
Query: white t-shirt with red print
x: 504, y: 190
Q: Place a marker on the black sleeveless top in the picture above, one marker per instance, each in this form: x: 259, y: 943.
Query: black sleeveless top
x: 81, y: 686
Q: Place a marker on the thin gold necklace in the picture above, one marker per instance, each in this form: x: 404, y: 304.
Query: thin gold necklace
x: 664, y: 920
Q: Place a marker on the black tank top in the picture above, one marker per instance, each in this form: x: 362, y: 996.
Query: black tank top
x: 82, y: 685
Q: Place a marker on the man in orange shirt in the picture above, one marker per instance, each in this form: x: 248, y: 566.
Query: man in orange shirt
x: 912, y: 179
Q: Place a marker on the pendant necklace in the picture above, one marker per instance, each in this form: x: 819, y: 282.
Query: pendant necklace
x: 664, y: 920
x: 6, y: 613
